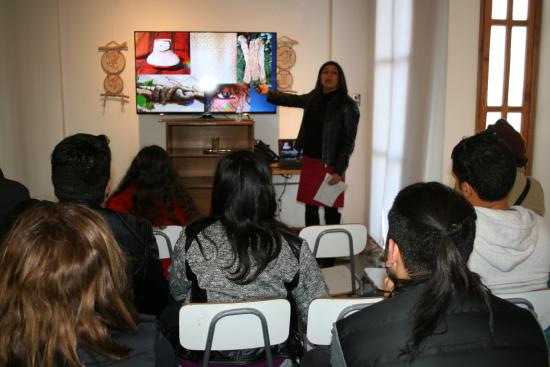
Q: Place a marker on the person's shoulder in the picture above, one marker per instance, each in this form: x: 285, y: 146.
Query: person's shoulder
x: 509, y: 314
x: 124, y: 225
x: 145, y: 344
x: 122, y: 201
x: 350, y: 103
x: 376, y: 316
x: 147, y: 329
x: 346, y: 98
x: 205, y: 224
x: 14, y: 186
x: 131, y: 219
x: 347, y: 105
x: 206, y: 227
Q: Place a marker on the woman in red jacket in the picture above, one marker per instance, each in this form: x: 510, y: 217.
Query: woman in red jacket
x: 151, y: 189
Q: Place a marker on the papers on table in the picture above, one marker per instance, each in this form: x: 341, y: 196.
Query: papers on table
x: 327, y: 194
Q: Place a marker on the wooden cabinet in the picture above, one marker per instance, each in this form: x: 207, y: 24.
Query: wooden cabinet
x: 195, y: 147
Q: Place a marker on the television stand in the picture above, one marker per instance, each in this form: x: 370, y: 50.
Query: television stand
x: 195, y: 147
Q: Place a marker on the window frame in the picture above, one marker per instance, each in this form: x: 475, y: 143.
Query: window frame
x: 530, y: 72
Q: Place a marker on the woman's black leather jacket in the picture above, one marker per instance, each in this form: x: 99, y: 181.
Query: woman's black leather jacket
x: 339, y: 127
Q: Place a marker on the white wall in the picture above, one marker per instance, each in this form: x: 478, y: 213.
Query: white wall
x: 30, y: 92
x: 350, y: 47
x: 7, y: 131
x: 460, y: 101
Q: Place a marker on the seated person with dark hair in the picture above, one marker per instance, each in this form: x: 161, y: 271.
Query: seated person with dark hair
x: 152, y: 189
x: 512, y: 244
x: 527, y: 191
x: 439, y: 313
x: 81, y: 167
x: 241, y: 252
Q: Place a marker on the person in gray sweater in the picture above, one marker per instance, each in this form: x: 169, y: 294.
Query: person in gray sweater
x: 241, y: 252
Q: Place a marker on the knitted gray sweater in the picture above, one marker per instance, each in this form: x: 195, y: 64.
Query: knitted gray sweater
x: 212, y: 273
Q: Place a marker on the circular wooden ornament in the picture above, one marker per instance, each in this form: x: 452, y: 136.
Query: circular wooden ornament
x: 286, y: 57
x: 284, y: 79
x: 113, y: 84
x: 113, y: 61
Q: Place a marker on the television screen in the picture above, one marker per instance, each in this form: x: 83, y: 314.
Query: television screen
x: 197, y: 72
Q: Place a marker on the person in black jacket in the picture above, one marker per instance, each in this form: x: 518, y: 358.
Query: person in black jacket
x: 326, y: 137
x: 65, y: 296
x: 439, y: 313
x: 81, y: 166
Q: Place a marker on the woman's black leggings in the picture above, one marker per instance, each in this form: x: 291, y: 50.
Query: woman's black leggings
x: 332, y: 215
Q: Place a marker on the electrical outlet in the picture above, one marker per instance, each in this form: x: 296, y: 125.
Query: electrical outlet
x: 357, y: 98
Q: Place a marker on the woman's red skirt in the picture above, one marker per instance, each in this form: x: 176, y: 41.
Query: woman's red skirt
x: 313, y: 174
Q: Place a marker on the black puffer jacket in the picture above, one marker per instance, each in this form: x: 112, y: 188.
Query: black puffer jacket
x: 376, y: 335
x: 339, y: 127
x: 135, y: 238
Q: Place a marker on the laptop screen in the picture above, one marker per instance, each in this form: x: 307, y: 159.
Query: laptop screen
x: 286, y: 149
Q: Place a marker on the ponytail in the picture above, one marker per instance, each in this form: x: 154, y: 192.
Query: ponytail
x: 434, y: 228
x: 449, y: 281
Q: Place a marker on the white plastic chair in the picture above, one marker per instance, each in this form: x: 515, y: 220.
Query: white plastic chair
x: 234, y: 326
x: 324, y: 312
x: 337, y: 240
x: 166, y: 238
x: 539, y: 301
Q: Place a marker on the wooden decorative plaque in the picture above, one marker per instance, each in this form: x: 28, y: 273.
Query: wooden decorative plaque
x: 113, y: 63
x: 286, y: 58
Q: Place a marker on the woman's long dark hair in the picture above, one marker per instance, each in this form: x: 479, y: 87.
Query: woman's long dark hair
x: 243, y: 200
x: 157, y: 186
x: 434, y: 228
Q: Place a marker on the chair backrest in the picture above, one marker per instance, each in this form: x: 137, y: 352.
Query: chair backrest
x: 540, y: 301
x: 237, y: 325
x: 324, y: 312
x: 166, y: 238
x: 334, y: 240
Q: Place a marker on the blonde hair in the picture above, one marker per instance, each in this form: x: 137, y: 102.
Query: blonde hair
x: 63, y: 284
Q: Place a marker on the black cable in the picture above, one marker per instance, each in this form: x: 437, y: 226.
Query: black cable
x: 286, y: 176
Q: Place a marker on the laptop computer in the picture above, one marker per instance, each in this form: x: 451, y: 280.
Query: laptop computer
x: 288, y: 156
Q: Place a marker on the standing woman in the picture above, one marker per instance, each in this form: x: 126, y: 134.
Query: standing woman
x: 326, y: 137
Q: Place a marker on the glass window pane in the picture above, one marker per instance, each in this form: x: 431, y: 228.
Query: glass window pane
x: 514, y: 118
x: 499, y: 9
x: 384, y: 26
x: 492, y: 117
x: 402, y: 28
x: 519, y: 10
x: 517, y: 66
x: 496, y: 65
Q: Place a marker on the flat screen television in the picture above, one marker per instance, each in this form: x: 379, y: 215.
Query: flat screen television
x: 204, y: 72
